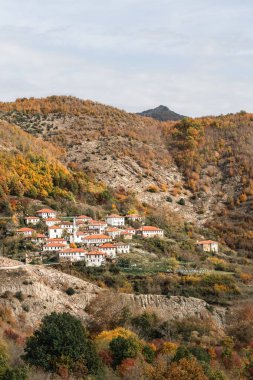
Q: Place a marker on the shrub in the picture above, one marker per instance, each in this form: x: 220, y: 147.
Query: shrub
x: 20, y: 296
x: 153, y: 189
x: 61, y: 340
x: 169, y: 199
x: 70, y: 291
x: 123, y: 348
x: 181, y: 202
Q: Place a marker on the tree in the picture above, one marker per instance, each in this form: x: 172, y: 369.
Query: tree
x: 61, y: 341
x: 123, y: 348
x: 186, y: 369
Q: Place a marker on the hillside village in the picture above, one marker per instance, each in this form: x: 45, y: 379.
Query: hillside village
x: 81, y: 238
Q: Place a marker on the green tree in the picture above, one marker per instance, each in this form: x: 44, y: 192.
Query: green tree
x: 123, y: 348
x: 61, y: 341
x: 15, y: 374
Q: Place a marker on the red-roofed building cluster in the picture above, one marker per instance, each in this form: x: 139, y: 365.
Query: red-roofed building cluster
x: 80, y: 237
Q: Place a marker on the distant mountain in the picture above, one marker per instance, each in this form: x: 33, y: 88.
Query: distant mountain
x: 162, y: 113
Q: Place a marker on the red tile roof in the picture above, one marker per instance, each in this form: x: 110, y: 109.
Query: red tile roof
x: 73, y: 250
x: 54, y: 245
x: 95, y: 236
x: 107, y: 245
x: 113, y: 229
x: 114, y: 216
x: 150, y: 228
x: 95, y: 253
x: 205, y: 242
x: 25, y: 229
x: 45, y: 210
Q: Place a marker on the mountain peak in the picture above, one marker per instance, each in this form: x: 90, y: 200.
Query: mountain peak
x: 162, y: 113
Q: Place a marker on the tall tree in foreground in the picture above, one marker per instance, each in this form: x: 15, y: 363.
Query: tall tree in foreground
x: 61, y: 344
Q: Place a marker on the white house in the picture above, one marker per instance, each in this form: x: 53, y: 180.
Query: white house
x: 83, y: 218
x: 134, y: 218
x: 94, y: 258
x: 32, y: 220
x: 57, y: 240
x: 46, y: 213
x: 109, y: 249
x: 208, y: 246
x: 79, y: 236
x: 96, y: 239
x: 53, y: 247
x: 122, y: 248
x: 115, y: 220
x: 126, y: 235
x: 67, y: 226
x: 113, y: 232
x: 26, y: 231
x: 97, y: 225
x: 130, y: 230
x: 39, y: 238
x: 55, y: 232
x: 72, y: 254
x: 51, y: 221
x: 150, y: 231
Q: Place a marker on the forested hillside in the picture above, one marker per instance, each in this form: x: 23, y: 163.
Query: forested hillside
x: 202, y: 168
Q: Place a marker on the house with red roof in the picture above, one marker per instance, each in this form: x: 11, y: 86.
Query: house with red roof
x: 46, y: 213
x: 57, y: 240
x: 95, y: 258
x: 36, y: 238
x: 96, y: 239
x: 113, y: 232
x: 134, y: 218
x: 72, y: 254
x: 115, y: 220
x: 109, y: 249
x: 83, y: 218
x: 32, y: 220
x: 150, y: 231
x: 97, y: 225
x: 53, y: 247
x: 26, y: 231
x: 55, y: 232
x: 122, y: 247
x: 51, y: 221
x: 208, y: 246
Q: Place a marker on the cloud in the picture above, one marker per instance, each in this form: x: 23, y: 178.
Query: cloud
x: 193, y: 55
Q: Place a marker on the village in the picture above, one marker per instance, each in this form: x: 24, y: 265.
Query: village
x: 81, y: 238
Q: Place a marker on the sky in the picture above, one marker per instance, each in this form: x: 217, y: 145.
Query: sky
x: 194, y: 56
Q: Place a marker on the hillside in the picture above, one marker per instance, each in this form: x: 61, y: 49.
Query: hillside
x: 44, y: 291
x: 162, y: 113
x: 207, y: 161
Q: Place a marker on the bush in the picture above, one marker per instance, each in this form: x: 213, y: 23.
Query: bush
x: 123, y: 348
x: 169, y: 199
x: 181, y: 202
x: 61, y: 341
x: 20, y: 296
x: 70, y: 291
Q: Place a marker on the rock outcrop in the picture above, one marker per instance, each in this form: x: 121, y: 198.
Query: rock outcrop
x: 30, y: 292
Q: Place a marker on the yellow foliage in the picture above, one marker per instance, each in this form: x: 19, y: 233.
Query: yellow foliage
x: 108, y: 335
x: 216, y: 261
x: 191, y: 279
x: 246, y: 277
x: 219, y: 288
x: 169, y: 347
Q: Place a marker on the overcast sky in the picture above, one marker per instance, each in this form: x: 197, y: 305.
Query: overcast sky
x: 195, y: 56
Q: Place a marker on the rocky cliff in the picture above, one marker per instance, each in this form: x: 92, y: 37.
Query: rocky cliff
x: 29, y: 292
